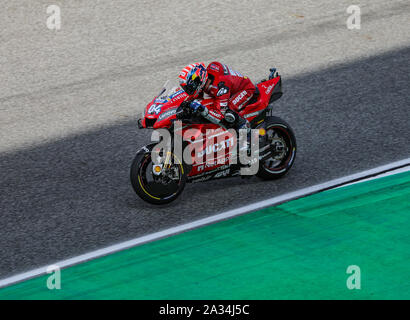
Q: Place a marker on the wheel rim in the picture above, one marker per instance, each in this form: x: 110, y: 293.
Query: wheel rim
x: 160, y: 187
x: 282, y: 147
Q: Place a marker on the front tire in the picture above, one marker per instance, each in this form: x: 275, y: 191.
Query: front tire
x: 282, y: 142
x: 152, y: 188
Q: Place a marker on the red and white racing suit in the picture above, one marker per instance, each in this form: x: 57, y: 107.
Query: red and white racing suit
x: 228, y: 88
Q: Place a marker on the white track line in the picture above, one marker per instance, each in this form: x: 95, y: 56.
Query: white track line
x: 381, y: 175
x: 212, y: 219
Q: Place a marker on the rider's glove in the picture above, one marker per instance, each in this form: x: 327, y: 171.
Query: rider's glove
x: 196, y: 106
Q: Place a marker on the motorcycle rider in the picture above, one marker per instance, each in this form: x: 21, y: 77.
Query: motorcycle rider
x: 230, y: 90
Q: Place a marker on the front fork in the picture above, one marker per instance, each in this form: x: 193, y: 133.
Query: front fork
x: 162, y: 164
x: 168, y: 161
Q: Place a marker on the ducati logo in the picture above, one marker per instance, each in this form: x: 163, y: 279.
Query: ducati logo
x: 239, y: 97
x: 217, y: 147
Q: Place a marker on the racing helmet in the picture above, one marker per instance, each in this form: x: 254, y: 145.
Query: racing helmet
x: 193, y: 78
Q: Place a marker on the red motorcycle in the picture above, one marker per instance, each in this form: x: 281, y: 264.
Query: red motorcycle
x: 160, y: 183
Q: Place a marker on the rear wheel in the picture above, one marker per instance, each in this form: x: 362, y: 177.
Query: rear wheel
x: 157, y: 185
x: 282, y: 142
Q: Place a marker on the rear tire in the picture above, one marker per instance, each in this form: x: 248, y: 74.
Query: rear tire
x: 283, y: 144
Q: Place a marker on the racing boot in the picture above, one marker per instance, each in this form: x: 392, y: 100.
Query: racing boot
x: 233, y: 120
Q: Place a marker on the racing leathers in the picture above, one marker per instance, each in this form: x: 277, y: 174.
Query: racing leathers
x: 231, y: 92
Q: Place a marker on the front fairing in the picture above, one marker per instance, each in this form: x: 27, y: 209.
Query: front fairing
x: 160, y: 112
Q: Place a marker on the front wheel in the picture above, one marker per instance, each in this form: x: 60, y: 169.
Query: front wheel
x: 282, y: 142
x: 157, y: 184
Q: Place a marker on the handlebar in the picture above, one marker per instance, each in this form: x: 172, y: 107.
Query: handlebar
x: 272, y: 73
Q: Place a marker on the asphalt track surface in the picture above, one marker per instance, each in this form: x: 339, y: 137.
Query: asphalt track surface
x: 69, y: 101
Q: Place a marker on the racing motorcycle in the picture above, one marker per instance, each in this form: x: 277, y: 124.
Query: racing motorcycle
x: 162, y: 182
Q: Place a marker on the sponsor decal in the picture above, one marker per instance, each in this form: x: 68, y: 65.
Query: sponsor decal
x: 176, y: 94
x: 178, y: 97
x: 217, y: 147
x: 242, y: 105
x: 251, y: 114
x: 226, y: 72
x: 214, y: 114
x: 222, y: 174
x: 269, y: 89
x: 202, y: 167
x: 202, y: 179
x: 222, y: 91
x: 239, y: 97
x: 214, y: 67
x: 167, y: 114
x: 162, y: 100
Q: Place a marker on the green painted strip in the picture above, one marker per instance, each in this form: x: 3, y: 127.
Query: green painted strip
x: 298, y: 250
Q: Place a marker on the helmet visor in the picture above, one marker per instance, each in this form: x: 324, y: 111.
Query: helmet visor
x: 191, y: 86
